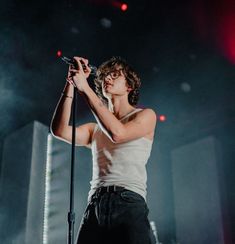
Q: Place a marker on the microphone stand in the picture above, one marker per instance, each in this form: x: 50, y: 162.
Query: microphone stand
x: 71, y: 214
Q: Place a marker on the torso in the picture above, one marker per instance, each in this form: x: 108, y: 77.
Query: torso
x: 122, y: 164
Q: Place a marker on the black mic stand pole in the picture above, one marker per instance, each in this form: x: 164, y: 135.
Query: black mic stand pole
x: 71, y: 214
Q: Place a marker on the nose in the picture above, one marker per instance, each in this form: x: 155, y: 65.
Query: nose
x: 108, y: 79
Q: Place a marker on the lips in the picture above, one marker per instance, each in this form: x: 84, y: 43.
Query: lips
x: 107, y: 85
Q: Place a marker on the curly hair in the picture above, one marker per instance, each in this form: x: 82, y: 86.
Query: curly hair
x: 132, y: 78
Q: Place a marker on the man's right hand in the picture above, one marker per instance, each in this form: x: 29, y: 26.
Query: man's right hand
x: 72, y: 72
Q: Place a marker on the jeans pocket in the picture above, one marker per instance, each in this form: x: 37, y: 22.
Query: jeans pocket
x: 131, y: 197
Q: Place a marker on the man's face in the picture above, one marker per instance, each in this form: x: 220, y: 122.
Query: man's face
x: 115, y: 83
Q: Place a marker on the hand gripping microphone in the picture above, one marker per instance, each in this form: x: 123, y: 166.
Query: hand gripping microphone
x: 72, y: 61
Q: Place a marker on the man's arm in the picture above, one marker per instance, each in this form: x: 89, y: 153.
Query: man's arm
x: 144, y: 123
x: 60, y: 127
x: 83, y: 135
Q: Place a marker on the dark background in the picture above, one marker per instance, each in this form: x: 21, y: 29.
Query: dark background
x: 184, y: 52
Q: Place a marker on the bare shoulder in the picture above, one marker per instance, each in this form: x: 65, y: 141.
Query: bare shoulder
x: 147, y: 114
x: 148, y: 111
x: 146, y: 118
x: 141, y: 124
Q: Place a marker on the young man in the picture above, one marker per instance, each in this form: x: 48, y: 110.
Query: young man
x: 120, y: 143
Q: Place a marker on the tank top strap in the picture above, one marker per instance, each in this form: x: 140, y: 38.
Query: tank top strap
x: 131, y: 113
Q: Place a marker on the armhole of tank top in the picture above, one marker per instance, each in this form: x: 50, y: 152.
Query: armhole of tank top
x: 95, y: 130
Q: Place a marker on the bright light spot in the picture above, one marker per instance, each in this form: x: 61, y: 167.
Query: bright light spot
x: 162, y: 118
x: 124, y: 6
x: 59, y: 53
x: 185, y: 87
x: 106, y: 23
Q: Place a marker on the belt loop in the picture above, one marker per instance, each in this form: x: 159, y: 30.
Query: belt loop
x: 98, y: 192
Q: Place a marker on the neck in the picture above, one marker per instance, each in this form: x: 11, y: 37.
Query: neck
x: 121, y: 106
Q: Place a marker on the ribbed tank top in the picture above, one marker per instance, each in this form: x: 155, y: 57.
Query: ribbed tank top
x: 121, y: 164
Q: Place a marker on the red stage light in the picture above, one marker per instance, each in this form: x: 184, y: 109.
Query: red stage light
x: 162, y: 118
x: 124, y: 6
x: 216, y: 29
x: 59, y: 53
x: 119, y: 5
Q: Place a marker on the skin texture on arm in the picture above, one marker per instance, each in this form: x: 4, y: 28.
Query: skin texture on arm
x: 60, y: 118
x: 83, y: 135
x: 109, y: 124
x: 60, y: 127
x: 143, y: 124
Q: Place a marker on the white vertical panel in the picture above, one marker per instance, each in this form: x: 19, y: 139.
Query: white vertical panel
x: 196, y: 193
x: 22, y: 185
x: 34, y: 187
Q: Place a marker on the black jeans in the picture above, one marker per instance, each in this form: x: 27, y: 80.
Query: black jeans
x: 119, y: 217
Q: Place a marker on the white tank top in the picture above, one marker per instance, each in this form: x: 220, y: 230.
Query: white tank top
x: 121, y: 164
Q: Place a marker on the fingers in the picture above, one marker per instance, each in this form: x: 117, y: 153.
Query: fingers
x: 79, y: 60
x: 71, y: 73
x: 85, y: 61
x: 88, y: 69
x: 72, y: 70
x: 82, y: 69
x: 70, y: 81
x: 83, y: 65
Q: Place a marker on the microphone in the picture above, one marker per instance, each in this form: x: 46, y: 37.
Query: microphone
x: 73, y: 62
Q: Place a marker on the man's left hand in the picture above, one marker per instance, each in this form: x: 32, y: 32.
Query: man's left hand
x: 80, y: 75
